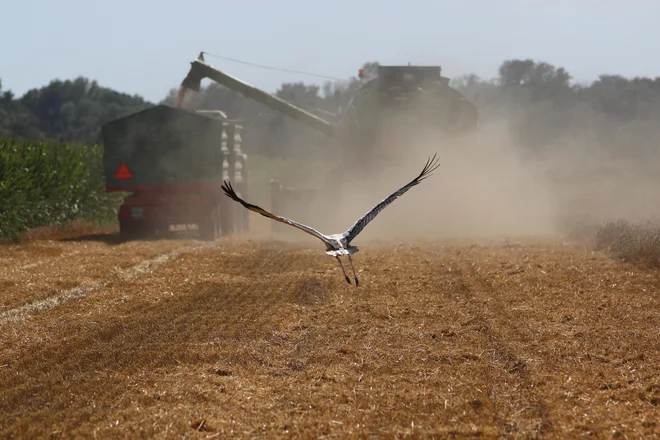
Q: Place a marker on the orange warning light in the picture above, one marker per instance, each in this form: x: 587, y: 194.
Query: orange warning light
x: 123, y: 173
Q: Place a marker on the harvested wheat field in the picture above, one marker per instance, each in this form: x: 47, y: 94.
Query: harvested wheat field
x: 249, y: 338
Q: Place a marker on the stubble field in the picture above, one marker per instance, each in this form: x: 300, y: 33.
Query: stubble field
x: 250, y: 337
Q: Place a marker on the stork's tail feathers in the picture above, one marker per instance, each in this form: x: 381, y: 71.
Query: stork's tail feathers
x: 339, y: 252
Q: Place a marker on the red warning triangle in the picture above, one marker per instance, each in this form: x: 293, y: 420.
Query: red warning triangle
x: 123, y: 173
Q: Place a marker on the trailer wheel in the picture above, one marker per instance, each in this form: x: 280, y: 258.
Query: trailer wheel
x: 220, y: 230
x: 208, y: 227
x: 129, y: 230
x: 240, y: 217
x: 226, y: 221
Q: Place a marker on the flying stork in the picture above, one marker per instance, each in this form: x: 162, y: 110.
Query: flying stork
x: 337, y: 245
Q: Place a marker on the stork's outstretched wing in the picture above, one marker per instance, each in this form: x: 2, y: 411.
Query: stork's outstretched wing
x: 229, y: 191
x: 357, y: 227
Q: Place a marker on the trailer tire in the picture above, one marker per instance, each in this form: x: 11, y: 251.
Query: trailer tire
x: 242, y: 219
x: 208, y: 227
x: 218, y: 224
x: 237, y: 218
x: 129, y: 230
x: 225, y: 215
x: 222, y: 222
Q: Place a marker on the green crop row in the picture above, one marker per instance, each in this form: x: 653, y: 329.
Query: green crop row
x: 46, y: 184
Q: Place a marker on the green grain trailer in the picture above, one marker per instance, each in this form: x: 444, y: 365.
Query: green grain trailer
x: 173, y: 162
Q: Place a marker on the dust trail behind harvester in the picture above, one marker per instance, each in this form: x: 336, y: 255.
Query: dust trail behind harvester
x: 496, y: 188
x: 482, y: 189
x: 478, y: 190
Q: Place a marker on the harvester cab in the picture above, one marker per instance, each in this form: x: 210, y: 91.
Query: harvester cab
x: 403, y: 81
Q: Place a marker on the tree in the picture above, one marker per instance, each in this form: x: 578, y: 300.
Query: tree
x: 71, y: 110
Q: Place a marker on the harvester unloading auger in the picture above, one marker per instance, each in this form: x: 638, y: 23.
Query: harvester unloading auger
x: 388, y: 116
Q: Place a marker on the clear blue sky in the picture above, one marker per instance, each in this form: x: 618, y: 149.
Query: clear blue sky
x: 145, y: 46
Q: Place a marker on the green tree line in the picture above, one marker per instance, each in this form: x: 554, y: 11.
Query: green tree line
x: 540, y: 104
x: 69, y: 111
x: 545, y: 110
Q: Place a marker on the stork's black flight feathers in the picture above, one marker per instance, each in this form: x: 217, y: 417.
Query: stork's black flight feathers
x: 229, y: 191
x: 337, y: 245
x: 357, y: 227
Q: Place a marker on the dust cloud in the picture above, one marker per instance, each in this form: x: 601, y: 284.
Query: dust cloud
x: 593, y: 171
x: 479, y: 189
x: 497, y: 188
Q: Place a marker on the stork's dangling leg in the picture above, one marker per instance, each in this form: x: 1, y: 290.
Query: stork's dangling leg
x: 350, y: 260
x: 348, y: 280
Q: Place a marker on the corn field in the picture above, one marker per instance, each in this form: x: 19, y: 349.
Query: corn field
x: 45, y: 184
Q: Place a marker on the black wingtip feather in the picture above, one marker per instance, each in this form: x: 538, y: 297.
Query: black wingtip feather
x: 229, y: 190
x: 431, y: 165
x: 352, y: 232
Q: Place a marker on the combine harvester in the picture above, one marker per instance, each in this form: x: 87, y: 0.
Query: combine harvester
x: 388, y: 117
x: 173, y: 161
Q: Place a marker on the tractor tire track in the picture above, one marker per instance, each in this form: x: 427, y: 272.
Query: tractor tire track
x: 490, y: 320
x: 133, y: 272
